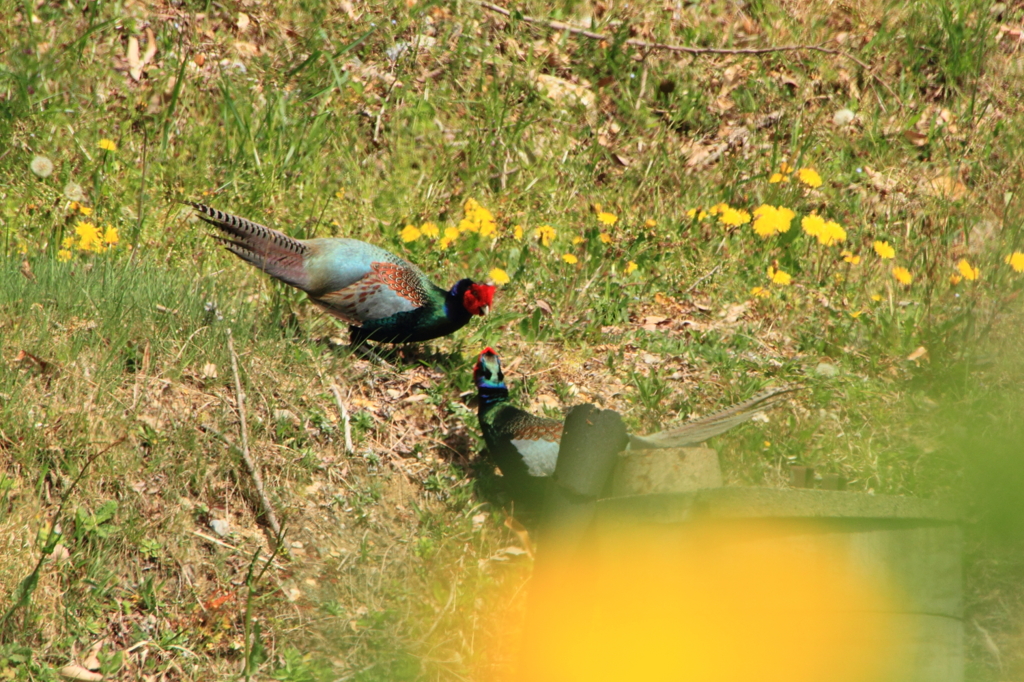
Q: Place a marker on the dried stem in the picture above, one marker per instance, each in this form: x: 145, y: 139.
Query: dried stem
x: 254, y: 472
x: 344, y: 418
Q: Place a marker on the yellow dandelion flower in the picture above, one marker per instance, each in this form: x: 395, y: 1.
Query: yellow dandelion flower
x: 734, y: 217
x: 499, y: 276
x: 760, y: 292
x: 902, y: 275
x: 605, y: 238
x: 340, y: 194
x: 107, y: 145
x: 856, y: 313
x: 850, y: 258
x: 631, y: 267
x: 785, y: 168
x: 429, y: 230
x: 517, y: 232
x: 650, y: 222
x: 955, y: 279
x: 84, y: 210
x: 67, y: 242
x: 831, y: 233
x: 698, y: 214
x: 22, y: 248
x: 770, y: 221
x: 776, y: 178
x: 969, y: 273
x: 718, y: 208
x: 876, y: 297
x: 450, y: 235
x: 883, y: 250
x: 809, y: 177
x: 578, y: 240
x: 110, y: 236
x: 410, y: 233
x: 779, y: 277
x: 1016, y: 261
x: 607, y: 218
x: 546, y: 234
x: 88, y: 236
x: 63, y: 255
x: 570, y: 259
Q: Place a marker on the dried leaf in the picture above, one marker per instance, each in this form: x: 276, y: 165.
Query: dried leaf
x: 26, y: 270
x: 134, y: 63
x: 209, y: 371
x: 918, y: 353
x: 150, y: 47
x: 945, y: 187
x: 543, y: 305
x: 915, y: 138
x: 77, y: 672
x: 522, y: 533
x: 242, y: 22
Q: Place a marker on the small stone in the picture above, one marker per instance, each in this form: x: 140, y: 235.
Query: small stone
x: 221, y: 527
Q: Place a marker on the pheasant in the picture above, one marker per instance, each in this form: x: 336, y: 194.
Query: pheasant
x: 381, y: 296
x: 525, y: 446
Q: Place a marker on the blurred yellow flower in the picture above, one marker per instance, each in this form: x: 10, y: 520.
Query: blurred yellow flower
x: 718, y: 208
x: 779, y: 277
x: 1016, y: 261
x: 110, y: 236
x: 605, y: 238
x: 429, y: 230
x: 883, y: 250
x: 969, y: 273
x: 67, y: 242
x: 478, y: 219
x: 450, y: 235
x: 410, y: 233
x: 850, y: 258
x: 85, y: 210
x: 876, y: 297
x: 809, y: 177
x: 955, y: 279
x: 650, y: 222
x: 107, y: 145
x: 785, y: 168
x: 63, y: 255
x: 902, y: 275
x: 631, y: 267
x: 499, y: 276
x: 569, y: 258
x: 340, y: 193
x: 760, y: 292
x: 88, y: 236
x: 578, y: 240
x: 517, y: 232
x: 546, y: 234
x: 827, y: 233
x: 777, y: 177
x: 607, y: 218
x: 770, y: 221
x: 695, y: 213
x: 856, y: 313
x: 733, y: 217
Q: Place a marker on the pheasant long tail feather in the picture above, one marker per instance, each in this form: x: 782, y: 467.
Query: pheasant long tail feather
x: 274, y: 252
x: 700, y: 430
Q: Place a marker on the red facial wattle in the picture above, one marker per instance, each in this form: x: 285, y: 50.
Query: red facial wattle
x: 478, y: 298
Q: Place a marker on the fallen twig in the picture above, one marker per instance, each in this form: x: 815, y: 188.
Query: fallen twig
x: 228, y: 545
x: 344, y: 418
x: 254, y: 472
x: 683, y: 49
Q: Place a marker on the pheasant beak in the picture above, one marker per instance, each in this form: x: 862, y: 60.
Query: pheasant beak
x: 484, y: 309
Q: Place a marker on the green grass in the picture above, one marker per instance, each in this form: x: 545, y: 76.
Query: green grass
x: 323, y: 122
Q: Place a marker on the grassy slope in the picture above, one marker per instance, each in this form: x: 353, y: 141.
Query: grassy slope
x: 301, y: 118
